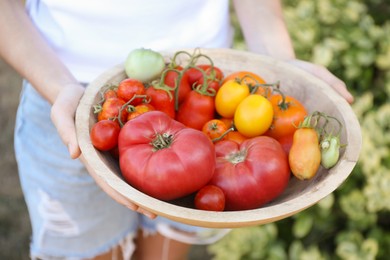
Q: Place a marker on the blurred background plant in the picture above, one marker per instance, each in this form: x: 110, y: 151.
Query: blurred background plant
x: 352, y: 39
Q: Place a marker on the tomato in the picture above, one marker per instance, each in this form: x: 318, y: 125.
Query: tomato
x: 215, y: 128
x: 110, y: 93
x: 110, y: 110
x: 251, y: 80
x: 330, y: 151
x: 197, y: 108
x: 253, y: 116
x: 248, y: 78
x: 288, y: 114
x: 210, y: 197
x: 184, y: 87
x: 305, y: 154
x: 286, y: 142
x: 128, y: 88
x: 104, y: 135
x: 162, y: 100
x: 251, y: 173
x: 229, y: 96
x: 236, y: 137
x: 214, y: 76
x: 160, y: 156
x: 138, y: 110
x: 144, y: 64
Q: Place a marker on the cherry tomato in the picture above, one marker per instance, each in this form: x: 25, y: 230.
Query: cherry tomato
x: 253, y: 116
x: 184, y: 87
x: 104, y: 135
x: 248, y: 78
x: 214, y: 76
x: 214, y: 128
x: 211, y: 198
x: 139, y: 109
x: 161, y: 100
x: 110, y: 110
x: 236, y: 137
x: 229, y: 96
x: 110, y: 93
x: 288, y: 114
x: 128, y: 88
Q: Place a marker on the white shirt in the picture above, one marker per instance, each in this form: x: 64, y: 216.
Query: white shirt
x: 91, y: 36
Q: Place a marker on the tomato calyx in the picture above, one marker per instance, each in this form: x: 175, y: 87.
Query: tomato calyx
x: 161, y: 141
x: 237, y: 157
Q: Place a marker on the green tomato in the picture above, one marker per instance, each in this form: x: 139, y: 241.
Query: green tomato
x: 144, y: 64
x: 330, y: 151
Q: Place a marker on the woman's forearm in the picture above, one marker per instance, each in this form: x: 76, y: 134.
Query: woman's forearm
x: 23, y: 47
x: 264, y: 28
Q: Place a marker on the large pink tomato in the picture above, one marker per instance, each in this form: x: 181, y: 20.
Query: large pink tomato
x: 163, y: 158
x: 250, y: 174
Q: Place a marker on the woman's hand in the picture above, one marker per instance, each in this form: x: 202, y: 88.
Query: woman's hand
x: 324, y: 74
x: 63, y: 116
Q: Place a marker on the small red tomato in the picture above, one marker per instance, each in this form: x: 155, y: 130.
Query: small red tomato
x: 111, y: 109
x: 104, y: 135
x: 128, y: 88
x: 211, y: 198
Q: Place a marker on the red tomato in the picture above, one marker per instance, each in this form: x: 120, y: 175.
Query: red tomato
x: 288, y: 114
x: 128, y: 88
x: 214, y: 76
x: 196, y: 110
x: 163, y: 158
x: 251, y: 173
x: 162, y: 100
x: 110, y: 93
x: 111, y: 108
x: 104, y: 135
x: 184, y: 87
x: 286, y: 142
x: 210, y: 197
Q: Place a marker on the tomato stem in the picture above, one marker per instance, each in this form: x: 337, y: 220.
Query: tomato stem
x: 223, y: 134
x: 161, y: 141
x: 126, y: 105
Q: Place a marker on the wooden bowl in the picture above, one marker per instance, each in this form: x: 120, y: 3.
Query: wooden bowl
x: 299, y: 195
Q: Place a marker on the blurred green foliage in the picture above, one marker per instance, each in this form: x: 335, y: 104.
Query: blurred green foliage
x: 352, y: 39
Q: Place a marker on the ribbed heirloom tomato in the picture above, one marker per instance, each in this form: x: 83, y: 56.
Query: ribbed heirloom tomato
x: 251, y: 173
x: 163, y: 158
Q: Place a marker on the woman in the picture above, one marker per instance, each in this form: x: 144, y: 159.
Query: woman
x: 58, y: 47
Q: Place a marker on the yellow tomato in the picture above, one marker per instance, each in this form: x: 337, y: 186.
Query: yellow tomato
x: 230, y: 94
x: 253, y: 116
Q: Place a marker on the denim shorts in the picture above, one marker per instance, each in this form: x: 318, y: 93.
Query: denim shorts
x: 71, y: 217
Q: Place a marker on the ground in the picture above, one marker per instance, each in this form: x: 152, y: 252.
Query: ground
x: 15, y: 228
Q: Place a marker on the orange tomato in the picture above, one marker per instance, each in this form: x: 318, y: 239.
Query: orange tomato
x: 305, y: 154
x: 139, y: 109
x: 250, y: 79
x: 288, y: 114
x: 236, y: 137
x: 215, y: 128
